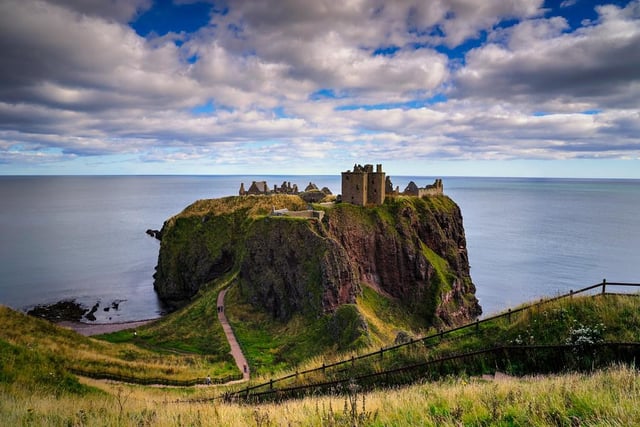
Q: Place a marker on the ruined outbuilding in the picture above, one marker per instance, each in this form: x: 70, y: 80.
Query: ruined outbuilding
x: 310, y: 194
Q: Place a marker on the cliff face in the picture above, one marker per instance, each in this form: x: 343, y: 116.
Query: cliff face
x: 409, y: 249
x: 288, y: 267
x: 414, y: 250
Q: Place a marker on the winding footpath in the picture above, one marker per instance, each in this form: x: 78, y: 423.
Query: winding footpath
x: 236, y: 352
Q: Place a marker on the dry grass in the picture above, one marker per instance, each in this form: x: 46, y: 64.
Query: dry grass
x: 608, y: 397
x: 253, y: 205
x: 65, y: 349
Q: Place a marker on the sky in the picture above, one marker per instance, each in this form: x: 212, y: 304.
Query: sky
x: 427, y: 88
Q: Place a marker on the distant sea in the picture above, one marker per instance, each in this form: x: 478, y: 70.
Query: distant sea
x: 84, y: 237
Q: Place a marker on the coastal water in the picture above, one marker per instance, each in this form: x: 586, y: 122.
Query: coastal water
x: 84, y: 237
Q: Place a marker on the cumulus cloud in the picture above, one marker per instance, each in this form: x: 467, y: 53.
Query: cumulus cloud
x: 118, y: 10
x: 57, y: 58
x: 268, y: 80
x: 539, y: 63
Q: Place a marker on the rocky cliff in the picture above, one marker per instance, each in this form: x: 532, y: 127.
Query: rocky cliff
x: 410, y: 250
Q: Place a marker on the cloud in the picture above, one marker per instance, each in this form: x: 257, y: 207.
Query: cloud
x: 119, y: 10
x: 267, y: 81
x: 537, y: 62
x: 55, y: 57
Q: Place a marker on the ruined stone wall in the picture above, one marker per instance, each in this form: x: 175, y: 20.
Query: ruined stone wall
x: 435, y: 189
x: 305, y: 214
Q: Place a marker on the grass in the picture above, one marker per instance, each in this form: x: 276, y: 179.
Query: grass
x: 272, y: 346
x: 251, y: 206
x: 608, y: 318
x: 36, y: 388
x: 34, y: 350
x: 192, y: 329
x: 607, y: 397
x: 386, y: 317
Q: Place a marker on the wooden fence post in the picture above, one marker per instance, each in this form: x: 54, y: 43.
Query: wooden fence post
x: 604, y: 286
x: 509, y: 315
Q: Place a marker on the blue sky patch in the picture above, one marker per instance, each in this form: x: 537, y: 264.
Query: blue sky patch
x: 166, y: 17
x: 386, y: 51
x: 207, y: 108
x: 326, y: 93
x: 409, y: 105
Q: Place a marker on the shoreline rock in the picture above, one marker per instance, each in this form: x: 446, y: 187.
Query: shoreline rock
x: 70, y: 310
x: 65, y: 310
x: 157, y: 234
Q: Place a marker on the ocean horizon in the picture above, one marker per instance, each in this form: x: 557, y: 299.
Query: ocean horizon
x: 83, y: 237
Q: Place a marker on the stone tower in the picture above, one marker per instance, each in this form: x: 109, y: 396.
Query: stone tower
x: 376, y: 190
x: 363, y: 186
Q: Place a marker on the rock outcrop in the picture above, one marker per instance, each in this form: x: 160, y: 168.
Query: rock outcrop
x: 409, y: 249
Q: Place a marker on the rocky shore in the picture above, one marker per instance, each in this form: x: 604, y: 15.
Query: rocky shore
x: 71, y: 311
x: 73, y: 315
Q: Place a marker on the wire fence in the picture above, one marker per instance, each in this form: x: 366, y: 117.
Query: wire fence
x: 518, y: 360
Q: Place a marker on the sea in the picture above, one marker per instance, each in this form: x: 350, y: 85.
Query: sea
x: 83, y: 237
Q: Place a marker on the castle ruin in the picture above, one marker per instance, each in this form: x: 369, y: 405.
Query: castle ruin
x: 435, y: 189
x: 311, y: 194
x: 364, y: 187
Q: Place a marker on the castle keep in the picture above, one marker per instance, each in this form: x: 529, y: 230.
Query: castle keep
x: 363, y: 186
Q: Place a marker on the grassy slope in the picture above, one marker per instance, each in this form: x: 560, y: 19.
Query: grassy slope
x: 386, y: 317
x: 271, y: 346
x: 34, y: 390
x: 192, y: 329
x: 612, y: 318
x: 23, y: 337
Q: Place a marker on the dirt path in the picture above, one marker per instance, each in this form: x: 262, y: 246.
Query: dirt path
x: 236, y: 352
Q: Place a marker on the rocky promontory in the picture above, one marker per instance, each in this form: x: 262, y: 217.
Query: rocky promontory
x: 411, y: 250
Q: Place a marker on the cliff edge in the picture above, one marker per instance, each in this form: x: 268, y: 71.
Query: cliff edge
x: 410, y: 250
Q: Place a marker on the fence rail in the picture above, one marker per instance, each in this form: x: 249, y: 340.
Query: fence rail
x: 581, y: 356
x: 440, y: 335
